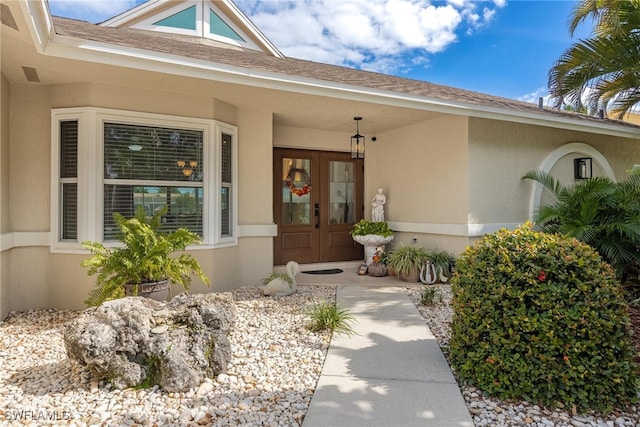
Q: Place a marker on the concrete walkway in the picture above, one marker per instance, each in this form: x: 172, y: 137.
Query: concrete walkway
x: 391, y: 374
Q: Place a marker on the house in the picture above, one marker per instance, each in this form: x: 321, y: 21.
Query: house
x: 187, y: 104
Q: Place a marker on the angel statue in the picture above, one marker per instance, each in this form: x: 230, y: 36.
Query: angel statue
x: 377, y: 212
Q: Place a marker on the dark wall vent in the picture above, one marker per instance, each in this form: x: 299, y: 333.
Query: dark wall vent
x: 31, y: 74
x: 6, y: 17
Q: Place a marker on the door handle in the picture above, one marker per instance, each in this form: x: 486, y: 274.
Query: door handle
x: 317, y: 214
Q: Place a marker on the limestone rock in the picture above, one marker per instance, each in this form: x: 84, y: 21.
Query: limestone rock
x: 136, y: 340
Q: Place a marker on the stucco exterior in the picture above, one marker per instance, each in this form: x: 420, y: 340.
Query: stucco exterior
x: 503, y: 152
x: 450, y: 161
x: 38, y: 278
x: 5, y: 99
x: 423, y: 169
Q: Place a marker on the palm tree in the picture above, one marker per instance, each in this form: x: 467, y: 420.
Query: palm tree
x: 605, y: 69
x: 597, y: 211
x: 611, y: 17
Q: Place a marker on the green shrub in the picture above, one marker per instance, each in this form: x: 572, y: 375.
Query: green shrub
x: 274, y: 276
x: 329, y: 316
x: 541, y: 317
x: 443, y: 261
x: 430, y: 296
x: 365, y: 227
x: 599, y: 212
x: 406, y: 259
x: 145, y: 255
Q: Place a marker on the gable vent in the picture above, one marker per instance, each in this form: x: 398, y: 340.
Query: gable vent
x: 31, y: 74
x: 6, y: 17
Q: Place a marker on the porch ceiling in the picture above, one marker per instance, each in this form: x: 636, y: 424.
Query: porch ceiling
x: 289, y: 108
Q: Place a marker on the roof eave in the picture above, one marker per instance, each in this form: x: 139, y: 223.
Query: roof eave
x: 130, y: 14
x: 49, y: 43
x: 141, y: 9
x: 255, y: 30
x: 39, y: 22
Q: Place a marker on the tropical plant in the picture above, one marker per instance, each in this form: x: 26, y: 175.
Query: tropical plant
x: 540, y: 316
x: 442, y: 261
x: 635, y: 170
x: 329, y: 316
x: 365, y: 227
x: 406, y: 260
x: 143, y: 257
x: 430, y: 296
x: 603, y: 67
x: 597, y: 211
x: 273, y: 276
x: 611, y: 17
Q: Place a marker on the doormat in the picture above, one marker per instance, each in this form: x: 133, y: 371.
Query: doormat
x: 329, y: 271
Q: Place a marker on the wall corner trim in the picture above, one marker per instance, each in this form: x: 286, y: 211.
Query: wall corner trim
x: 19, y: 239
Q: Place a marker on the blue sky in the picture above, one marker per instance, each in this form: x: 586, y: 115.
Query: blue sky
x: 498, y: 47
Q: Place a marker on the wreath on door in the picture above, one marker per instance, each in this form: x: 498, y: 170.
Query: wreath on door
x: 303, y: 178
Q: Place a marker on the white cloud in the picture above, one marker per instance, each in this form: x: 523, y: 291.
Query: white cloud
x: 97, y: 10
x: 534, y: 97
x: 389, y: 36
x: 376, y: 35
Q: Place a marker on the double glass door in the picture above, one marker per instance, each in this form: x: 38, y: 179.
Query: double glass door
x: 318, y: 196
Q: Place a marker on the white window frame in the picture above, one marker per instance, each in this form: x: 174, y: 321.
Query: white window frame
x: 203, y: 24
x: 222, y: 128
x: 90, y: 178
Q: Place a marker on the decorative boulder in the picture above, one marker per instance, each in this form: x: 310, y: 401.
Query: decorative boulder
x: 136, y: 341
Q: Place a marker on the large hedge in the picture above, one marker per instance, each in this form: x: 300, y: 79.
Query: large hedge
x: 541, y: 317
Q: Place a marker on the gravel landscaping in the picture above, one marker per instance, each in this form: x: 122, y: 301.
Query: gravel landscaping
x: 274, y: 370
x: 275, y: 367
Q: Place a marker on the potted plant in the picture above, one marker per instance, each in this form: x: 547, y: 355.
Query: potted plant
x: 443, y: 263
x: 373, y: 235
x: 438, y: 268
x: 377, y: 267
x: 142, y: 264
x: 406, y: 261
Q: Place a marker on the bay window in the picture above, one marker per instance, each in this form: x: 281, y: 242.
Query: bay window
x: 108, y: 161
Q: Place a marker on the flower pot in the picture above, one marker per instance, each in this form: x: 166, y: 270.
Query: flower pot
x: 372, y: 243
x: 158, y: 291
x: 377, y: 269
x: 412, y: 276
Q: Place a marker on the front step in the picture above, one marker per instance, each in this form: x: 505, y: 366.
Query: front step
x: 344, y: 265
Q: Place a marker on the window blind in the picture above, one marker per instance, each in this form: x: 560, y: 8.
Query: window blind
x: 69, y: 180
x: 225, y: 191
x: 156, y: 168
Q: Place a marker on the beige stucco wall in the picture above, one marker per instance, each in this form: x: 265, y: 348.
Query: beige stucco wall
x: 422, y: 169
x: 500, y: 153
x: 255, y: 130
x: 40, y: 279
x: 30, y: 148
x: 311, y: 139
x: 5, y: 93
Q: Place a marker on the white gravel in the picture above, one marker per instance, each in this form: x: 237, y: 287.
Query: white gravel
x: 274, y: 370
x: 495, y: 412
x: 275, y: 366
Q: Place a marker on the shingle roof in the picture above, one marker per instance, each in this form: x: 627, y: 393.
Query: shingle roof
x: 298, y: 68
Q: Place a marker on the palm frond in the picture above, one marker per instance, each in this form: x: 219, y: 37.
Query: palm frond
x: 548, y: 182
